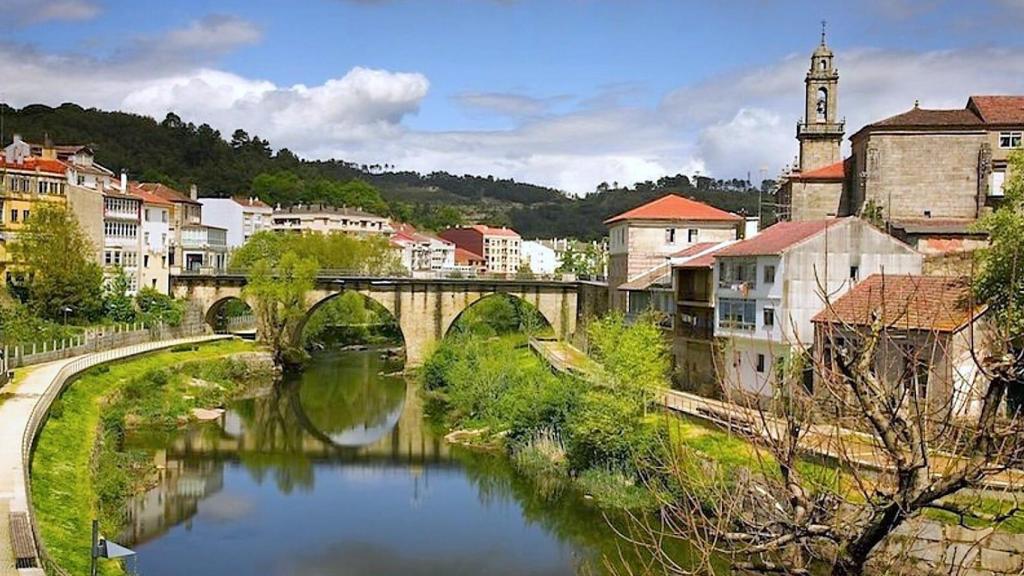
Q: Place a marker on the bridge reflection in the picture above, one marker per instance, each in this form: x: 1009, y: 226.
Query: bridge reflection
x: 338, y: 414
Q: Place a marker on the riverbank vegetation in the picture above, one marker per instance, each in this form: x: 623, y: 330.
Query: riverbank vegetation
x: 599, y: 435
x: 81, y: 469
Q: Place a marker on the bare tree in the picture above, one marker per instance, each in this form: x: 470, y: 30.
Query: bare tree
x: 898, y: 443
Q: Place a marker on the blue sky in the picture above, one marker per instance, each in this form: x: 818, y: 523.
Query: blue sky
x: 564, y: 93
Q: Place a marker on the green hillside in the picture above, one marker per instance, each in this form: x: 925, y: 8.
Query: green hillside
x: 181, y: 154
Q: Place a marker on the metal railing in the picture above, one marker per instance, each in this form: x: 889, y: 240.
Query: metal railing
x: 40, y: 413
x: 445, y: 274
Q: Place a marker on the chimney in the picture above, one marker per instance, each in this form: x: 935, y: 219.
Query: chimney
x: 193, y: 192
x: 124, y: 182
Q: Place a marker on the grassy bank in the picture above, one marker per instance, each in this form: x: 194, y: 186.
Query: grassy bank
x: 80, y: 470
x: 599, y: 435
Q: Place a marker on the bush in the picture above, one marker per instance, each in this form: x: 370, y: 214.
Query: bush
x: 57, y: 409
x: 610, y: 431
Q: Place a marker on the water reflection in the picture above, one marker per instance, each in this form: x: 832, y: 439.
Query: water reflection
x: 337, y: 473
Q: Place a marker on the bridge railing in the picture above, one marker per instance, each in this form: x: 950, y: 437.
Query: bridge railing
x: 418, y: 274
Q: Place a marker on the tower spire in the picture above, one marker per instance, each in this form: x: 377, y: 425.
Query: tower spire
x: 823, y: 24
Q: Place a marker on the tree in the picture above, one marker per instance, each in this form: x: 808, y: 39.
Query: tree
x: 900, y: 452
x: 59, y: 265
x: 278, y: 296
x: 117, y: 304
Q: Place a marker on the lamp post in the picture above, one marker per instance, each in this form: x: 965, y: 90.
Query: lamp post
x: 66, y: 310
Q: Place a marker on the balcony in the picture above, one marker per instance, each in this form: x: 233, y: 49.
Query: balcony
x: 203, y: 237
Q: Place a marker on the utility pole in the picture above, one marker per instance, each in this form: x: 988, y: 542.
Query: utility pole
x: 95, y: 553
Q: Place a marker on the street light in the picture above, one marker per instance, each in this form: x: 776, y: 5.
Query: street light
x: 66, y: 310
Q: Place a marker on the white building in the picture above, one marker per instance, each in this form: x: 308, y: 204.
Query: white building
x: 193, y: 246
x: 769, y: 287
x: 326, y: 219
x: 422, y: 252
x: 156, y: 229
x: 241, y: 217
x: 538, y: 257
x: 122, y: 236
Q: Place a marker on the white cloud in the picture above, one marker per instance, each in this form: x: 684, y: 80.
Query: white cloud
x: 25, y: 12
x: 725, y: 127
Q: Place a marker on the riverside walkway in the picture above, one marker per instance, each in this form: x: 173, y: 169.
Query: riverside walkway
x: 23, y: 405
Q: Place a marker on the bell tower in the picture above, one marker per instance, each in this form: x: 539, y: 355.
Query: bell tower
x: 821, y: 131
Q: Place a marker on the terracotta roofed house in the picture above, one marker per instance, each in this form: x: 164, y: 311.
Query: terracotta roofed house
x: 769, y: 287
x: 643, y: 238
x: 931, y: 325
x: 500, y: 247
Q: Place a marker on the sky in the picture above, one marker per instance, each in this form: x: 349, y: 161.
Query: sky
x: 564, y: 93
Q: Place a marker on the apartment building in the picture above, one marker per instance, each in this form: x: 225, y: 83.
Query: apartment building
x: 240, y: 216
x: 193, y: 246
x: 122, y: 235
x: 325, y: 219
x: 156, y: 238
x: 769, y: 287
x: 500, y: 247
x: 539, y: 258
x: 25, y: 182
x: 645, y: 237
x: 421, y: 252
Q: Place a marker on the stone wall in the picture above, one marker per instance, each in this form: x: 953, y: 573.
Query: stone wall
x: 815, y: 200
x: 908, y: 174
x: 929, y: 547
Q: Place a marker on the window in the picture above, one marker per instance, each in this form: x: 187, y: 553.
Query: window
x: 737, y: 272
x: 769, y: 274
x: 736, y: 313
x: 760, y: 363
x: 14, y: 215
x: 24, y: 215
x: 1009, y: 139
x: 691, y: 235
x: 822, y: 106
x: 854, y: 273
x: 768, y: 317
x: 145, y: 260
x: 670, y: 235
x: 996, y: 183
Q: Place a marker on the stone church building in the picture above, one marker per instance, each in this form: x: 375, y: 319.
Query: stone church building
x: 926, y: 175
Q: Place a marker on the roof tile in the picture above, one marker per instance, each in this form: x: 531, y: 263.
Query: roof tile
x: 777, y: 238
x: 673, y: 207
x: 939, y: 303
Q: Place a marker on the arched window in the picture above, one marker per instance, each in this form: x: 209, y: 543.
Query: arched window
x: 823, y: 64
x: 822, y: 105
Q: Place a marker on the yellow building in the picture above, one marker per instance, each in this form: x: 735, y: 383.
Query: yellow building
x: 25, y: 182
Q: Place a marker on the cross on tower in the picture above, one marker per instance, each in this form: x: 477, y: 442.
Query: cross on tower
x: 823, y: 23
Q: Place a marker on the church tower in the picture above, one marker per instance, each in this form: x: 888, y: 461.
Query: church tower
x: 821, y: 131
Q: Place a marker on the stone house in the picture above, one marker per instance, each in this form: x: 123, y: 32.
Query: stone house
x: 931, y: 325
x: 644, y: 238
x: 769, y: 287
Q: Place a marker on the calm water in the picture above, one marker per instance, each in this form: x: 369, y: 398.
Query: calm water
x: 336, y: 473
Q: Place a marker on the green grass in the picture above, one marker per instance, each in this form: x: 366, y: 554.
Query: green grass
x: 64, y: 489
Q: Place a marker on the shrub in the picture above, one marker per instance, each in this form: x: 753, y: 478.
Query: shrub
x: 57, y: 409
x: 609, y: 430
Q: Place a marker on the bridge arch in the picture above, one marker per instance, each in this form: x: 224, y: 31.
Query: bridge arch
x: 523, y: 309
x: 375, y: 304
x: 220, y: 315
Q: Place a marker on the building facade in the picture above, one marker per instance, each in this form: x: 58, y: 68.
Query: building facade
x: 122, y: 236
x: 645, y: 237
x: 768, y: 289
x: 540, y: 259
x: 192, y: 245
x: 422, y: 252
x: 931, y: 338
x: 500, y: 247
x: 240, y: 217
x: 156, y: 239
x: 324, y: 219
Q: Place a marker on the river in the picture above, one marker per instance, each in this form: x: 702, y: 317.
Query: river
x: 337, y: 473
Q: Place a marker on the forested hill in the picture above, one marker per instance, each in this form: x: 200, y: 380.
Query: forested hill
x: 180, y: 154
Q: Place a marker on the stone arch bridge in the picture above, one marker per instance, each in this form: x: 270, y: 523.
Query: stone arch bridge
x: 424, y: 308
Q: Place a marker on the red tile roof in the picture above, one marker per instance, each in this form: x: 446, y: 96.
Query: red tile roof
x: 492, y: 231
x: 922, y: 118
x: 778, y: 238
x: 146, y: 196
x: 463, y: 256
x: 693, y: 250
x: 166, y: 192
x: 34, y: 163
x: 705, y: 260
x: 940, y: 303
x: 998, y: 109
x: 835, y: 171
x: 672, y: 207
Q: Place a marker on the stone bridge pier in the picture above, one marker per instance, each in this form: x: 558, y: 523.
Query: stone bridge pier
x: 424, y: 308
